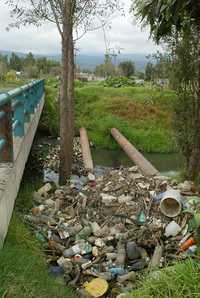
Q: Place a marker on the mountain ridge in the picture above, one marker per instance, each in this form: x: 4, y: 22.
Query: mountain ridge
x: 90, y: 60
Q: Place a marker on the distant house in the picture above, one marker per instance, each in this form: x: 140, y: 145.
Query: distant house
x: 19, y: 74
x: 85, y: 77
x: 88, y: 77
x: 139, y: 82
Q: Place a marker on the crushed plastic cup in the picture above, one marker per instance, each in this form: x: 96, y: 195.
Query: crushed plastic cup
x: 172, y: 229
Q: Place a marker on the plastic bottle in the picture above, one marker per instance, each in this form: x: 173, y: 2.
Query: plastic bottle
x: 141, y: 218
x: 111, y: 256
x: 80, y: 248
x: 131, y: 276
x: 190, y: 242
x: 192, y: 249
x: 65, y: 264
x: 84, y: 233
x: 121, y: 255
x: 38, y: 210
x: 56, y: 246
x: 72, y: 251
x: 115, y: 271
x: 137, y: 265
x: 133, y: 251
x: 71, y: 231
x: 41, y: 219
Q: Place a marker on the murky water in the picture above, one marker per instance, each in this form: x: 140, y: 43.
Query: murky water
x: 167, y: 164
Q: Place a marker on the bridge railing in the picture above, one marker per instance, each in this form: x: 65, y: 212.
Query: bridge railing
x: 16, y: 108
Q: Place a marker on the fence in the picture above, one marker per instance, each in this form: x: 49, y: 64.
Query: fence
x: 16, y: 108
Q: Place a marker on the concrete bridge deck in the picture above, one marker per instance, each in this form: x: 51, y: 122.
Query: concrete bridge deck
x: 13, y: 163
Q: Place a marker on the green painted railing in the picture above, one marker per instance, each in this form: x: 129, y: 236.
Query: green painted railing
x: 16, y: 108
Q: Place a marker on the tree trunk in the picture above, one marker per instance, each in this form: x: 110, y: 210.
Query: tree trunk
x: 194, y: 159
x: 67, y: 96
x: 194, y: 165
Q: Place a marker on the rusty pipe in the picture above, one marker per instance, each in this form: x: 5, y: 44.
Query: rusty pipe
x: 145, y: 166
x: 85, y: 148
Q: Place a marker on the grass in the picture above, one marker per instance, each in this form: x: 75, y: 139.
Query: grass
x: 181, y: 280
x: 7, y: 85
x: 49, y: 119
x: 142, y: 114
x: 24, y: 273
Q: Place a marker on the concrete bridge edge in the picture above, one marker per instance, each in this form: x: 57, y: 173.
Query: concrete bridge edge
x: 11, y: 175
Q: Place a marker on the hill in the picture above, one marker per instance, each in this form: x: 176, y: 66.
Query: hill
x: 90, y: 61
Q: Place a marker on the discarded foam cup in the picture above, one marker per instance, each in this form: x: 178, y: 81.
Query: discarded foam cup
x: 171, y: 203
x: 172, y: 229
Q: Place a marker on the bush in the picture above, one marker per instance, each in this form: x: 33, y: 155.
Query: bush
x: 11, y: 76
x: 79, y: 84
x: 118, y: 82
x: 181, y: 280
x: 49, y: 121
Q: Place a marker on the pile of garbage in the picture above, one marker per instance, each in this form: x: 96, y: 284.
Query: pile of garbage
x: 102, y: 230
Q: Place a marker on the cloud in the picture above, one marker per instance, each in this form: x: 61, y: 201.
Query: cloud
x: 46, y: 40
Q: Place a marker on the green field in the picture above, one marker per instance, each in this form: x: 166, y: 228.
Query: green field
x: 142, y: 114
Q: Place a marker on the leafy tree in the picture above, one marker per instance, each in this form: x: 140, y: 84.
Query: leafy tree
x: 3, y: 69
x: 106, y: 69
x: 178, y: 24
x: 3, y: 66
x: 167, y: 17
x: 149, y: 71
x: 69, y: 16
x: 29, y: 60
x: 15, y: 62
x: 31, y: 72
x: 127, y: 68
x: 11, y: 75
x: 186, y: 70
x: 140, y: 75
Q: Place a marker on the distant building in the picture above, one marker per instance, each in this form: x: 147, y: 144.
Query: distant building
x: 139, y: 82
x: 88, y: 77
x: 19, y: 74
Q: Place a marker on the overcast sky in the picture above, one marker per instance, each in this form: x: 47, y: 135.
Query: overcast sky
x: 124, y: 34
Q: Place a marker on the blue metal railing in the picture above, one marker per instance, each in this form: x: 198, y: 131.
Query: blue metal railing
x: 16, y: 107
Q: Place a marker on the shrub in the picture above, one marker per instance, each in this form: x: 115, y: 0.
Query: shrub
x: 118, y: 82
x: 11, y: 76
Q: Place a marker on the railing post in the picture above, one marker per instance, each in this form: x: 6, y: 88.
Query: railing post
x: 19, y: 116
x: 31, y: 99
x: 6, y: 133
x: 27, y: 107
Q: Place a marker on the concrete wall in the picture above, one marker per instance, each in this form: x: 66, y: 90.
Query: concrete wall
x: 11, y: 174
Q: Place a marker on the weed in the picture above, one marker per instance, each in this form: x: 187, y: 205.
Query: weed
x: 180, y: 280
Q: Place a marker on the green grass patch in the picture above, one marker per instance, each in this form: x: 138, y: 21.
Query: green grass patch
x: 181, y: 280
x: 142, y: 114
x: 24, y: 273
x: 49, y: 119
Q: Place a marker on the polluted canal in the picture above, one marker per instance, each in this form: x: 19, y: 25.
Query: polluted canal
x: 103, y: 230
x: 168, y: 164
